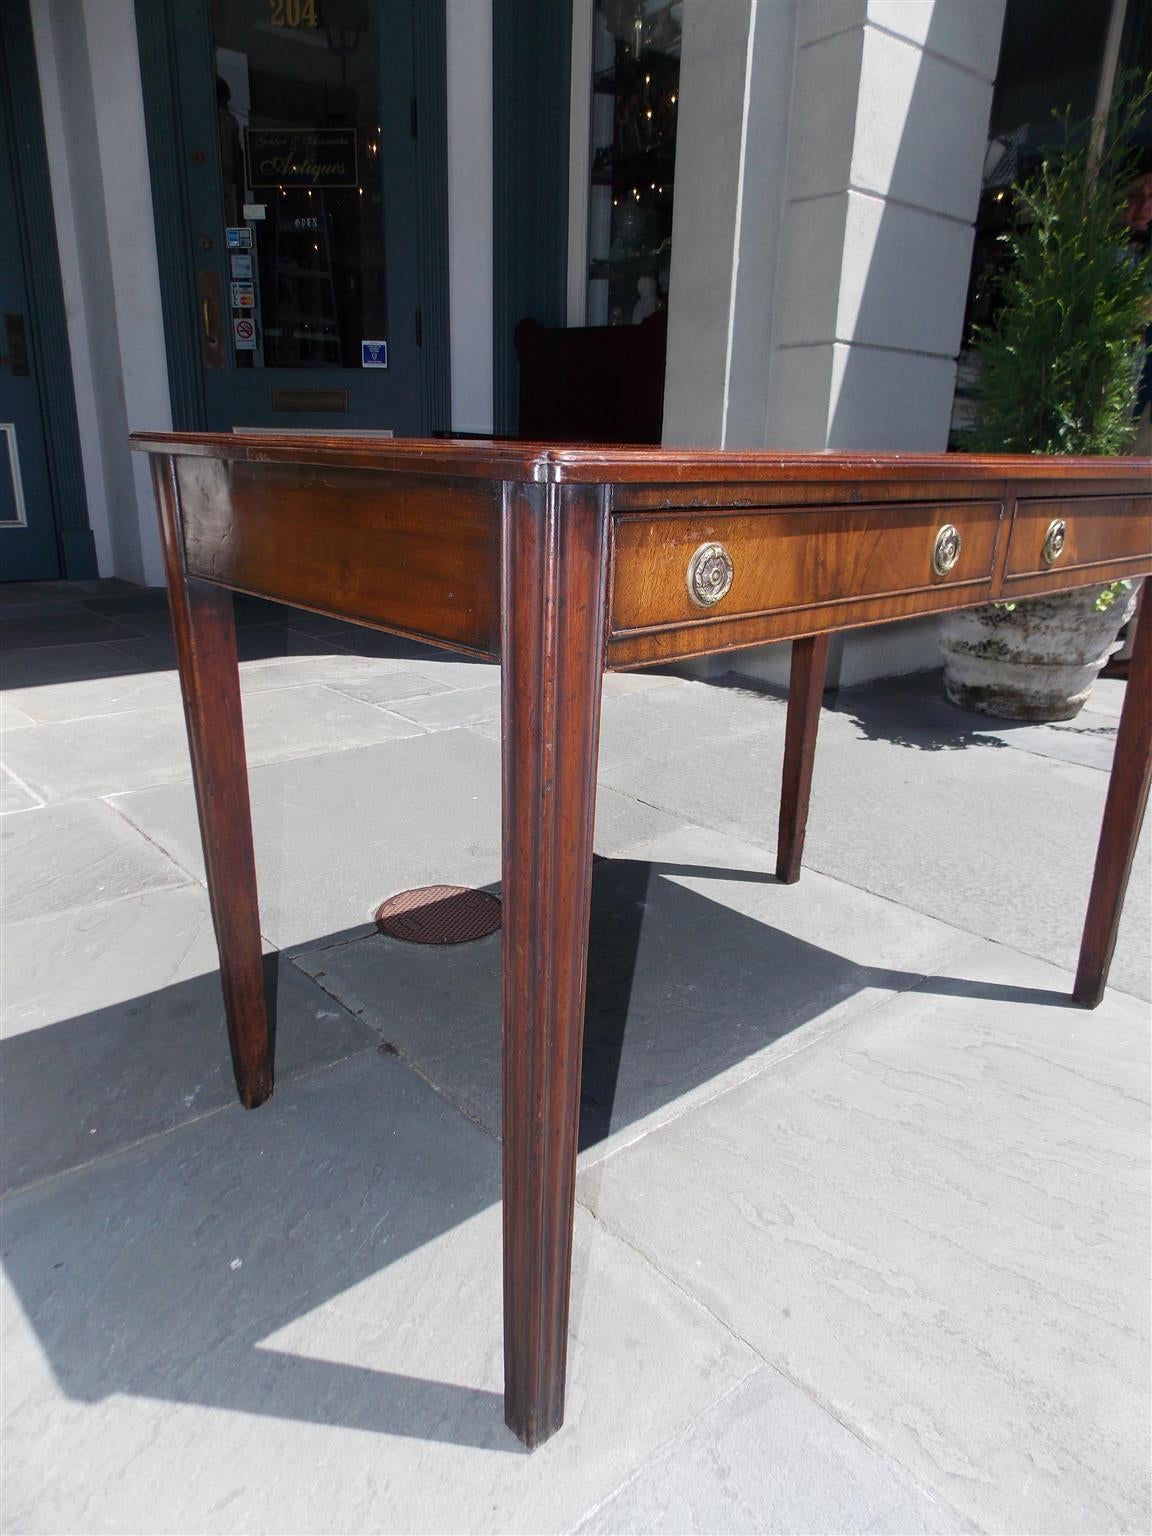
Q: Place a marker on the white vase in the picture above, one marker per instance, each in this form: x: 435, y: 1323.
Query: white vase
x: 1036, y: 661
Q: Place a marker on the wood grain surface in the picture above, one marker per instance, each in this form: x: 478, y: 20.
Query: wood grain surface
x: 562, y: 562
x: 785, y: 559
x: 204, y: 628
x: 1099, y: 531
x: 1123, y: 817
x: 418, y: 555
x: 555, y: 543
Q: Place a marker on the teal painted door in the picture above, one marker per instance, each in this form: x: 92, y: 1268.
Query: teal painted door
x: 299, y: 170
x: 29, y: 549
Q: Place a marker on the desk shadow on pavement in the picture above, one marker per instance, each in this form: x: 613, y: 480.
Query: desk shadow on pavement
x: 125, y: 1269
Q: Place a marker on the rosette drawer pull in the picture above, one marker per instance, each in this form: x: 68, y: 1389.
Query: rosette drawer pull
x: 1054, y: 541
x: 709, y: 575
x: 946, y: 550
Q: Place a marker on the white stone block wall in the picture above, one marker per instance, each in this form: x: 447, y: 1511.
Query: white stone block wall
x: 93, y: 107
x: 841, y: 316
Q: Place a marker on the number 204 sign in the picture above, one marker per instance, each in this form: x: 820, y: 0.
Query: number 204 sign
x: 292, y: 13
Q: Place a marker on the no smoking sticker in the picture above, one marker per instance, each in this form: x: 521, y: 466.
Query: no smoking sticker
x: 244, y: 334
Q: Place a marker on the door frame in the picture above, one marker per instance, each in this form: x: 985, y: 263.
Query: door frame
x: 531, y: 118
x: 167, y: 149
x: 47, y: 327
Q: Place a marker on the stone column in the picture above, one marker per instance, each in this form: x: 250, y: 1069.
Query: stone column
x: 828, y: 174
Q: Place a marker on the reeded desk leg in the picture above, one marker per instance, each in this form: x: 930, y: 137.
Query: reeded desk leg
x: 805, y: 690
x: 1123, y: 815
x: 205, y: 631
x: 552, y: 657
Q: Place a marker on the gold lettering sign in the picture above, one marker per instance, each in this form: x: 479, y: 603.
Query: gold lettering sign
x: 292, y: 13
x: 301, y: 157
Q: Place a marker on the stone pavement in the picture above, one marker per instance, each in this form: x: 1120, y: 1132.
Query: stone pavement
x: 862, y: 1235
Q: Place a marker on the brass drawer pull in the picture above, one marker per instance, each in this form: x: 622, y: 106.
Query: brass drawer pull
x: 709, y: 575
x: 1054, y: 541
x: 946, y: 550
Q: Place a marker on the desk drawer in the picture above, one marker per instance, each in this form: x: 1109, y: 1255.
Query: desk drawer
x: 1064, y: 533
x: 788, y: 558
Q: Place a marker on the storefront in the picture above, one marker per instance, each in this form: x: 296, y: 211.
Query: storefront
x: 333, y: 214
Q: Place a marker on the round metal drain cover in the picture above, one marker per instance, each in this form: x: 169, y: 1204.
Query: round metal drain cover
x: 439, y: 914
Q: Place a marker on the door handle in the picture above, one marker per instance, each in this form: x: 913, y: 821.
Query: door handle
x: 208, y: 299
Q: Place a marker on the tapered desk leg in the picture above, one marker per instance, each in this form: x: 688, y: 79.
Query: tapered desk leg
x: 1123, y: 814
x: 205, y: 631
x: 805, y: 690
x: 552, y: 657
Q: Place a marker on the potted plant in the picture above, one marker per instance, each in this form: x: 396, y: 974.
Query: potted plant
x: 1058, y: 370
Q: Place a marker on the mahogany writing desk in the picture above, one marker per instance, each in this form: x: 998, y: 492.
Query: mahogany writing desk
x: 562, y: 563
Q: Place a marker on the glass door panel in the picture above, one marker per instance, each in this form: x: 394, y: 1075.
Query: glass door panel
x: 301, y: 186
x: 635, y: 89
x: 299, y: 142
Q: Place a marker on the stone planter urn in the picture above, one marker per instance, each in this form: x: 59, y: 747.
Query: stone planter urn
x: 1036, y: 660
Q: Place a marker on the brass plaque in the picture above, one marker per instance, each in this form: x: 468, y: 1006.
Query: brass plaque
x: 309, y: 399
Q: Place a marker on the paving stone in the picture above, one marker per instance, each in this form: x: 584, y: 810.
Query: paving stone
x: 259, y: 610
x: 96, y: 586
x: 11, y: 717
x: 1089, y: 739
x: 16, y: 596
x: 21, y: 631
x: 936, y: 1223
x: 448, y: 708
x: 50, y: 664
x: 335, y: 834
x: 918, y: 715
x: 663, y: 724
x: 355, y: 676
x: 290, y: 1320
x: 335, y: 669
x: 132, y: 1040
x: 997, y: 842
x: 640, y: 725
x: 99, y: 755
x: 451, y: 670
x: 383, y: 687
x: 141, y: 600
x: 256, y: 642
x: 61, y: 857
x: 87, y: 696
x: 454, y: 668
x: 40, y: 610
x: 15, y: 796
x: 702, y: 971
x: 616, y: 683
x: 364, y: 640
x: 143, y: 619
x: 1107, y: 696
x: 950, y: 1181
x: 318, y: 623
x: 766, y: 1458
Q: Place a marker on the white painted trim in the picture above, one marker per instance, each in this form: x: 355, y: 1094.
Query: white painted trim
x: 579, y: 160
x: 734, y: 276
x: 21, y: 521
x: 57, y: 98
x: 469, y: 66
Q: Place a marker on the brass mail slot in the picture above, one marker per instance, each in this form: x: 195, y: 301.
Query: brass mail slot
x: 309, y: 399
